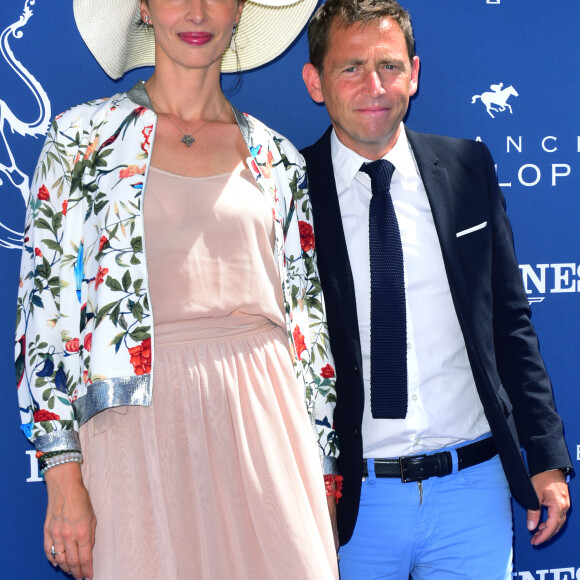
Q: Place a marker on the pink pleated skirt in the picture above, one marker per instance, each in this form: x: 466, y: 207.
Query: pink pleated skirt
x: 220, y: 477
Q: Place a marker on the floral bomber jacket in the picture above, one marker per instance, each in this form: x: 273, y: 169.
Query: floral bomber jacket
x: 84, y: 328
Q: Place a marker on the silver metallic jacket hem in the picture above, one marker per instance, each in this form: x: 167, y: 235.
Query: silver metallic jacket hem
x: 66, y: 440
x: 118, y: 392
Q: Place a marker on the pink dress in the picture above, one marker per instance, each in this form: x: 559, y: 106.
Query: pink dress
x: 220, y: 478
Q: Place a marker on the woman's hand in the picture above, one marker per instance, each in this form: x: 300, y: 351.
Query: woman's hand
x: 70, y: 521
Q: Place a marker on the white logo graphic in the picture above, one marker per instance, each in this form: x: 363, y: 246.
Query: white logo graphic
x: 11, y: 178
x: 497, y: 96
x: 570, y: 573
x: 546, y: 279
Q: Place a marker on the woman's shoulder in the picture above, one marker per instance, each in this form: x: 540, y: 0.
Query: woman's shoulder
x: 258, y: 128
x: 88, y: 112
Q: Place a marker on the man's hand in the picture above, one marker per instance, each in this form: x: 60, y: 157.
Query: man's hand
x: 552, y: 491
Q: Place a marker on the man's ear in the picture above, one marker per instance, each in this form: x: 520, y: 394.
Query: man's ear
x: 414, y: 75
x: 312, y: 81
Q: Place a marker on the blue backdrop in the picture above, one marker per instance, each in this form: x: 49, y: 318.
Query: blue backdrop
x: 531, y: 125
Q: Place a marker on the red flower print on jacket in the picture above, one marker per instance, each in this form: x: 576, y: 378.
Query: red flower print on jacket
x: 100, y: 277
x: 298, y: 341
x: 91, y: 148
x: 327, y: 372
x: 64, y: 206
x: 131, y: 170
x: 72, y: 345
x: 102, y: 243
x: 146, y: 132
x: 306, y: 236
x: 44, y: 415
x: 88, y: 343
x: 43, y: 193
x: 267, y: 167
x: 141, y: 357
x: 38, y: 252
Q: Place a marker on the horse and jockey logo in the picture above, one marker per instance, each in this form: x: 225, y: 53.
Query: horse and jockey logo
x: 497, y: 96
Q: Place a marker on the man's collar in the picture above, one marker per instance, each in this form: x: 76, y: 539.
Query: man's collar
x: 347, y: 162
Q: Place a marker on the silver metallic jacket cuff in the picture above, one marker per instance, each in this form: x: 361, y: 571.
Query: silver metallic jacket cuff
x: 329, y: 466
x: 65, y: 440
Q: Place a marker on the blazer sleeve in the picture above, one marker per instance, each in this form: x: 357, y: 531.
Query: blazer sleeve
x: 519, y: 362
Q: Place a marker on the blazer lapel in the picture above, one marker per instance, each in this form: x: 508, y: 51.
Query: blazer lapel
x: 332, y: 253
x: 441, y: 199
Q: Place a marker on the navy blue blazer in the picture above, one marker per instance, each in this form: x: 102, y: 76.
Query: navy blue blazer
x: 489, y: 299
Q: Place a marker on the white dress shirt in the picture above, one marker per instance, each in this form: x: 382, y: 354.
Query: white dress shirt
x: 444, y: 407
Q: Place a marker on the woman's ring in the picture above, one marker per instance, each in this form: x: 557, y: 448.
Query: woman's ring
x: 53, y: 553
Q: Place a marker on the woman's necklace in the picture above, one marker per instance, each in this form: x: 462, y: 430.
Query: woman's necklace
x: 187, y: 138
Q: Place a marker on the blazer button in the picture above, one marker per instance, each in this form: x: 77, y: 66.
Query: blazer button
x: 355, y: 431
x: 355, y: 369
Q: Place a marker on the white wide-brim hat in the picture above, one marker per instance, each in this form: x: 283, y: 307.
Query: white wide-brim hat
x: 115, y: 34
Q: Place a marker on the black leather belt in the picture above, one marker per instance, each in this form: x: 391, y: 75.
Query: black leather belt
x: 420, y: 467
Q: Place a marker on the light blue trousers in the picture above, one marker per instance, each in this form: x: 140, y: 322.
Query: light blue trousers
x: 446, y: 528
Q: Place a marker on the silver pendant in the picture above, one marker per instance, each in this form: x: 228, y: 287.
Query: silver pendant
x: 188, y: 140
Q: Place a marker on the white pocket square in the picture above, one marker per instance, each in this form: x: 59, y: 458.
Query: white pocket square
x: 471, y: 230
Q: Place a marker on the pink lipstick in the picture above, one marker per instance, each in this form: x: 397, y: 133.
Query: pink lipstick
x: 195, y: 38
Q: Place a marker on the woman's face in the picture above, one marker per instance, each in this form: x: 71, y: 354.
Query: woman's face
x: 191, y: 33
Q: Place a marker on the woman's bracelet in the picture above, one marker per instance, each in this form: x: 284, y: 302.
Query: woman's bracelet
x: 41, y: 455
x: 333, y: 483
x: 66, y: 457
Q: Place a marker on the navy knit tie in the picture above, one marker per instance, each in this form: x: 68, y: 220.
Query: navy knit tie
x: 388, y: 314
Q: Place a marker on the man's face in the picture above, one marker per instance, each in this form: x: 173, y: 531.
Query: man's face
x: 366, y: 83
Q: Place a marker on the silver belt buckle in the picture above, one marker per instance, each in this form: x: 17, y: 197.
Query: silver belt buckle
x: 404, y: 477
